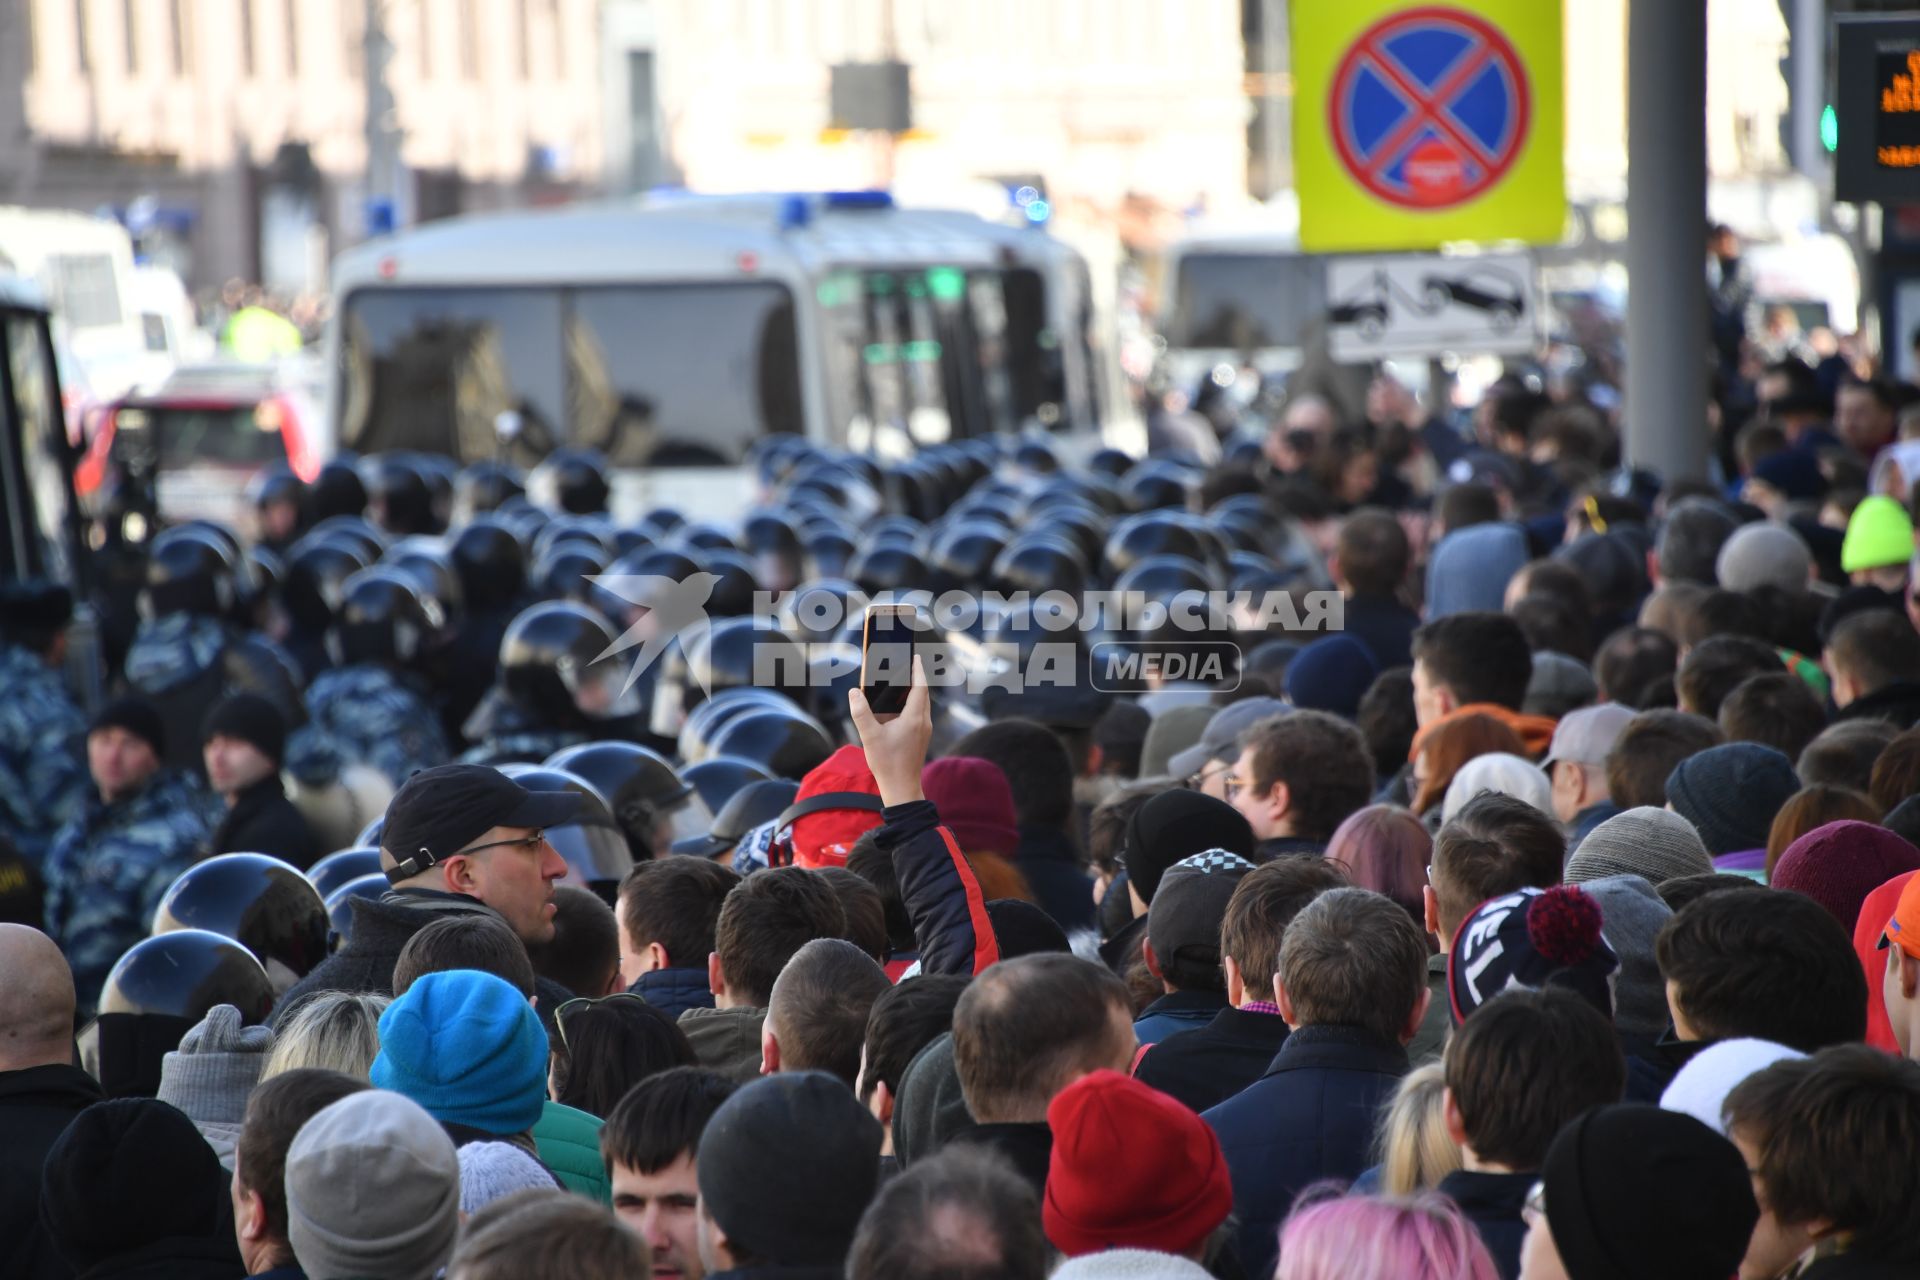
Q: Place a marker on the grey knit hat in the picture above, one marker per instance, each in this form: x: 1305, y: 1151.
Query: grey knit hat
x: 1764, y: 555
x: 1648, y: 842
x: 490, y: 1170
x: 1631, y: 915
x: 373, y: 1189
x: 215, y: 1068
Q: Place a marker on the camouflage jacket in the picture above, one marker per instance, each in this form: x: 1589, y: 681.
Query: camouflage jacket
x: 367, y: 713
x: 43, y: 768
x: 109, y: 867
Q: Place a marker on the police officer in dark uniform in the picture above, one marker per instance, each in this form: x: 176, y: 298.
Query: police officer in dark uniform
x: 187, y: 654
x: 43, y: 775
x: 553, y: 690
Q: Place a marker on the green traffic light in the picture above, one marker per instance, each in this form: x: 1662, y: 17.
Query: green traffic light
x: 1829, y: 128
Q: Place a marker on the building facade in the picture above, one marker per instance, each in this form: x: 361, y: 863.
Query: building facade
x: 233, y: 134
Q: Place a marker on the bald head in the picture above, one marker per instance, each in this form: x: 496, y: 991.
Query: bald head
x: 36, y: 1001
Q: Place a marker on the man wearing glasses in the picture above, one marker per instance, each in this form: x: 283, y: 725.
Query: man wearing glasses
x: 457, y: 840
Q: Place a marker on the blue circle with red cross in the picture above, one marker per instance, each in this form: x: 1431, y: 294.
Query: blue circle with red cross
x: 1429, y: 108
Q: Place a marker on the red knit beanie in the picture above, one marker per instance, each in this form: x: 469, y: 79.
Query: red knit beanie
x: 1131, y: 1169
x: 975, y: 803
x: 824, y: 839
x: 1839, y: 864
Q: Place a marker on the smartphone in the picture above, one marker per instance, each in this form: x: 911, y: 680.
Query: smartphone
x: 888, y: 641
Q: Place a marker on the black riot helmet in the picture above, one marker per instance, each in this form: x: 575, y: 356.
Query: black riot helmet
x: 1156, y: 484
x: 399, y: 500
x: 789, y: 742
x: 1078, y: 523
x: 1152, y: 534
x: 1111, y: 462
x: 770, y: 540
x: 717, y: 778
x: 704, y: 721
x: 818, y: 610
x: 275, y: 484
x: 651, y: 804
x: 158, y: 991
x: 382, y: 618
x: 695, y: 538
x: 316, y: 579
x: 730, y: 653
x: 962, y: 555
x: 483, y: 486
x: 572, y: 480
x: 593, y: 845
x: 1036, y: 455
x: 827, y: 551
x: 745, y: 653
x: 341, y: 866
x: 567, y: 570
x: 660, y: 522
x: 593, y: 530
x: 190, y: 571
x: 753, y: 805
x: 888, y: 567
x: 427, y: 564
x: 358, y: 530
x: 550, y: 666
x: 340, y: 905
x: 1158, y: 577
x: 734, y: 584
x: 491, y: 563
x: 262, y: 903
x: 1040, y: 562
x: 336, y: 491
x: 622, y: 598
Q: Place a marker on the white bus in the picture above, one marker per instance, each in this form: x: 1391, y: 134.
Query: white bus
x: 673, y: 333
x: 85, y: 267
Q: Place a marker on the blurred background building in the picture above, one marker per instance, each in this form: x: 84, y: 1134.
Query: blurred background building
x: 234, y: 138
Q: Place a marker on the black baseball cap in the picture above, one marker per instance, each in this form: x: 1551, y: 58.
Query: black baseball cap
x: 440, y: 811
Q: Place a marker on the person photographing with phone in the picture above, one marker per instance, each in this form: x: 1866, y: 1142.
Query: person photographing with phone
x: 943, y: 896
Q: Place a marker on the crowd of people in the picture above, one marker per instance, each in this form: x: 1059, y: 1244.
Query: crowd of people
x: 1549, y: 907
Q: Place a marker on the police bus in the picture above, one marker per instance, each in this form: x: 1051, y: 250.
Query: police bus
x: 673, y: 333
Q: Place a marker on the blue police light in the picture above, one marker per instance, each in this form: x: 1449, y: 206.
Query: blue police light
x: 859, y: 199
x: 794, y: 213
x: 1026, y: 195
x: 1038, y: 211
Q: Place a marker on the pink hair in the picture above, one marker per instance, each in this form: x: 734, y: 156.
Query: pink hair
x: 1385, y: 849
x: 1366, y: 1238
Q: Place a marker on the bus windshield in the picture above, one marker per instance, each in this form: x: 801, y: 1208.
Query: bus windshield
x: 653, y: 374
x: 1246, y: 301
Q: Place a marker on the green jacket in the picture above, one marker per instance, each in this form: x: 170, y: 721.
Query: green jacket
x: 726, y: 1040
x: 569, y: 1144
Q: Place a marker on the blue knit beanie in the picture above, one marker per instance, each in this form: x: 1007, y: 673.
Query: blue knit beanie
x: 1332, y: 674
x: 1731, y: 794
x: 1470, y: 567
x: 468, y: 1048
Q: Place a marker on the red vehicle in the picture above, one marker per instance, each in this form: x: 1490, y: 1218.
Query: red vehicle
x: 203, y: 435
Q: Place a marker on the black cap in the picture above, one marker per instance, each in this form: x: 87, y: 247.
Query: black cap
x: 138, y: 717
x: 825, y: 1148
x: 250, y: 718
x: 440, y: 811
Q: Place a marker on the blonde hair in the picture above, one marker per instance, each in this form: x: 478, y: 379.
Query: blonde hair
x: 1414, y: 1149
x: 337, y: 1030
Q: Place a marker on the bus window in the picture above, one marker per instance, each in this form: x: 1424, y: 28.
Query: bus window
x: 237, y: 436
x: 30, y: 422
x: 453, y: 371
x: 687, y: 375
x: 1033, y: 349
x: 1246, y: 301
x: 85, y: 292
